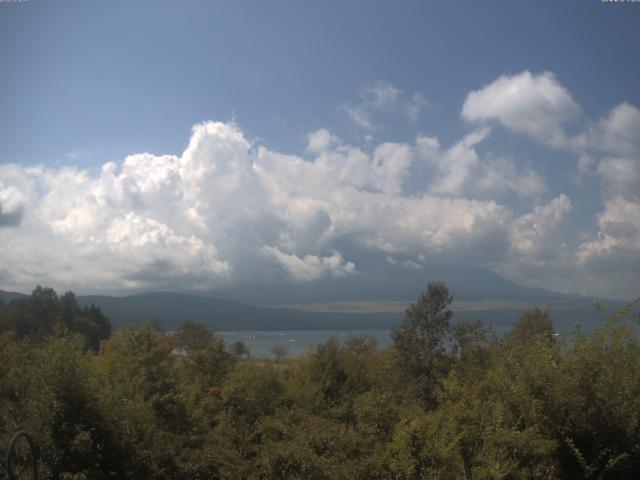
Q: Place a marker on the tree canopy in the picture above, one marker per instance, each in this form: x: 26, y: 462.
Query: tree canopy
x: 446, y: 400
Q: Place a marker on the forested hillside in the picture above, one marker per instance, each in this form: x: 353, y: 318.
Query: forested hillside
x: 444, y: 401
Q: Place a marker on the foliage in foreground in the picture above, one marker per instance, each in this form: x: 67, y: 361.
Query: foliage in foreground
x: 445, y: 401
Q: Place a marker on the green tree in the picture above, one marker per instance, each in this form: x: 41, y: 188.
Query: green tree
x: 53, y: 394
x: 240, y: 349
x: 44, y: 313
x: 193, y: 336
x: 598, y: 422
x: 207, y: 359
x: 138, y: 381
x: 280, y: 352
x: 422, y: 338
x: 531, y: 326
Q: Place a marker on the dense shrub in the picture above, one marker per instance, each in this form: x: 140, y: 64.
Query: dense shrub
x: 444, y: 401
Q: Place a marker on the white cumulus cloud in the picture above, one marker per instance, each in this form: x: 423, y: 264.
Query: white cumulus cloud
x: 461, y: 170
x: 226, y: 211
x: 618, y: 132
x: 532, y: 234
x: 534, y: 105
x: 311, y: 267
x: 11, y: 204
x: 616, y: 247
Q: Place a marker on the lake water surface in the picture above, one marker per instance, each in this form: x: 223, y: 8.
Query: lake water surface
x: 298, y: 342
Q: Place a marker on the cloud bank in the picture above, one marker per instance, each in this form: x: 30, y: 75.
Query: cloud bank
x: 229, y: 211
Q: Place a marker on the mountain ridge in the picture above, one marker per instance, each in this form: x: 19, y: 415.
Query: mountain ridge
x: 354, y: 302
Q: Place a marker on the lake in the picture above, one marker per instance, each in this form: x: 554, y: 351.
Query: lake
x: 297, y: 342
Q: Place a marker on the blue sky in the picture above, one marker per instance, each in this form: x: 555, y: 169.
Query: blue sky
x: 112, y: 78
x: 85, y: 83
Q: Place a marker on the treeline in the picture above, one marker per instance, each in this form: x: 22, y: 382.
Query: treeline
x: 44, y: 313
x: 445, y: 401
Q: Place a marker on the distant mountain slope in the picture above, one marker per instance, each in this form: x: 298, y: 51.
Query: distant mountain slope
x: 174, y: 308
x: 473, y: 289
x: 465, y: 283
x: 6, y: 297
